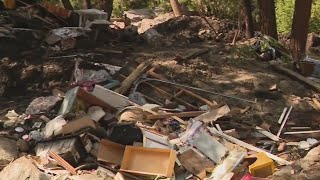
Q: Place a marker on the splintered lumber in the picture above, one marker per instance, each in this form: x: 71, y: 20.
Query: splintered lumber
x: 282, y: 115
x: 302, y: 132
x: 297, y: 76
x: 267, y: 134
x: 158, y: 76
x: 180, y: 115
x: 284, y: 121
x: 63, y: 163
x: 316, y: 102
x: 249, y: 146
x: 127, y: 83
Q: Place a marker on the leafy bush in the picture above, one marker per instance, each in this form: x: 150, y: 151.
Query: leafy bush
x: 284, y: 13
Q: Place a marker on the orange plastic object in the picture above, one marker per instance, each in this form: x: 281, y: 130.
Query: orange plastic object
x: 10, y: 4
x: 262, y: 167
x: 148, y: 161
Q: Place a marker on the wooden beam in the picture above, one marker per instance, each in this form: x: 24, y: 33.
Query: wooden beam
x: 284, y: 121
x: 267, y: 134
x: 302, y: 132
x: 297, y: 76
x: 249, y: 146
x: 180, y: 115
x: 127, y: 83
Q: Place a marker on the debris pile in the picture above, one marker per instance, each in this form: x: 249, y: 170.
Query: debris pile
x: 107, y: 129
x: 133, y: 119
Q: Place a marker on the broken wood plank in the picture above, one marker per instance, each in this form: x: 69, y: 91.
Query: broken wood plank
x: 316, y: 102
x: 282, y: 115
x: 165, y: 93
x: 127, y: 83
x: 62, y: 162
x: 170, y: 96
x: 297, y: 76
x: 284, y: 121
x: 267, y: 134
x: 209, y: 103
x: 302, y: 132
x: 180, y: 115
x: 249, y: 146
x: 213, y: 115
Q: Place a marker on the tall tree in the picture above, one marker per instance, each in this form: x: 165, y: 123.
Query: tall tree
x: 107, y: 6
x: 86, y: 4
x: 67, y: 4
x: 176, y: 7
x: 268, y: 18
x: 300, y: 25
x: 247, y: 11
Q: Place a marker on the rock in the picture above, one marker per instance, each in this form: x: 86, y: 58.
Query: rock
x: 22, y: 169
x: 23, y: 145
x: 313, y: 40
x: 139, y: 14
x: 8, y: 150
x: 305, y: 168
x: 42, y: 104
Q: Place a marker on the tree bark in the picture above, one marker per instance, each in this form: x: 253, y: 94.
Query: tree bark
x: 86, y: 4
x: 67, y: 4
x: 268, y: 18
x: 246, y: 5
x: 300, y: 25
x: 107, y: 6
x: 175, y: 5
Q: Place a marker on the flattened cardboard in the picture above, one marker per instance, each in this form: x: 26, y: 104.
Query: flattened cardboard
x: 110, y: 152
x: 194, y: 163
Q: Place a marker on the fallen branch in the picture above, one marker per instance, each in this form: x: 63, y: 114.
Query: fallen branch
x: 297, y: 76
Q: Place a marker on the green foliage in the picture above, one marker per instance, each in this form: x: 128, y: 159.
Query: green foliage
x: 284, y: 13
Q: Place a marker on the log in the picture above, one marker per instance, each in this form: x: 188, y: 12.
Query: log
x: 127, y: 83
x: 297, y: 76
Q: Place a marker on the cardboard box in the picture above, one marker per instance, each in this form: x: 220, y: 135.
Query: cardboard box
x: 148, y: 161
x: 110, y: 152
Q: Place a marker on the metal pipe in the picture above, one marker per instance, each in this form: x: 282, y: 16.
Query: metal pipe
x: 144, y: 79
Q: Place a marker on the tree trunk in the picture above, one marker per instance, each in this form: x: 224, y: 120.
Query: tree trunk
x: 175, y: 5
x: 67, y: 4
x: 86, y: 4
x: 107, y: 6
x: 300, y: 25
x: 246, y: 5
x: 268, y: 18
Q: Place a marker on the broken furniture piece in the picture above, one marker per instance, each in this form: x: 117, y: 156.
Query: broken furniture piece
x: 148, y: 161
